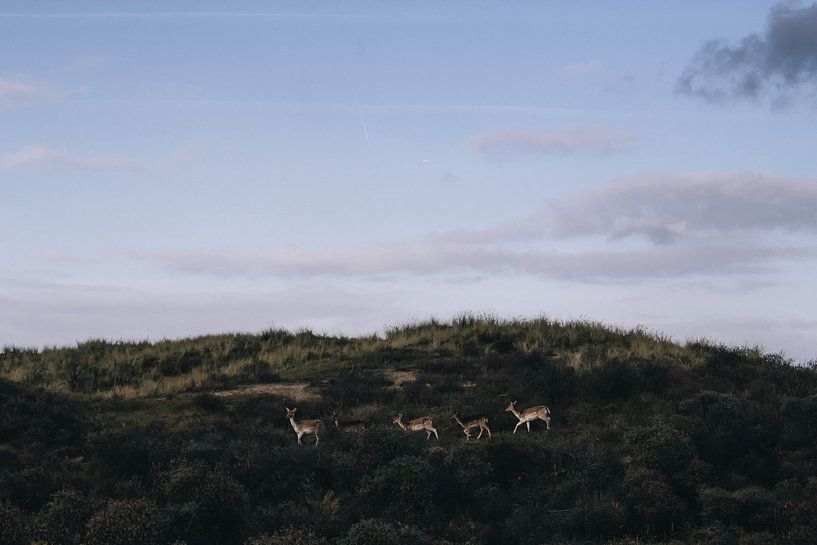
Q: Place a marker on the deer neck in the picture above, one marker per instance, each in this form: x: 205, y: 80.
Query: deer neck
x: 459, y: 421
x: 517, y: 413
x: 294, y: 423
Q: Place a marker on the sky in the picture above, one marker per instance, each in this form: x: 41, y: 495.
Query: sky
x: 178, y: 168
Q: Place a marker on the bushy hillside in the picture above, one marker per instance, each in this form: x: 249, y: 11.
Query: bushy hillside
x: 187, y: 441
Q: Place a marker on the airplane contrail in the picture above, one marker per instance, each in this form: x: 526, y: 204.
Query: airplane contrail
x: 362, y: 121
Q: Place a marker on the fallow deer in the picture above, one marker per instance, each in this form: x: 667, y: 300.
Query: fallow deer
x: 348, y: 425
x: 470, y: 423
x: 304, y: 427
x: 542, y: 412
x: 418, y: 424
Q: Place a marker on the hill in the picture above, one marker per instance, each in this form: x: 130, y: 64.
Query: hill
x: 187, y: 441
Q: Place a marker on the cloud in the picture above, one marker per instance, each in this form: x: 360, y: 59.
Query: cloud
x: 666, y: 225
x: 564, y: 141
x: 779, y: 63
x: 17, y: 90
x: 440, y: 259
x: 669, y: 207
x: 40, y: 156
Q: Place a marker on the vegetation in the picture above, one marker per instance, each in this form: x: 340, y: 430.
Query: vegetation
x: 187, y: 442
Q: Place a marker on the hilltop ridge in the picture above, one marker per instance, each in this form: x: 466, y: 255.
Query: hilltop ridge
x: 652, y: 441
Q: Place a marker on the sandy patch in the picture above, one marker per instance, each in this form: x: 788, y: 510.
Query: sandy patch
x: 399, y: 378
x: 299, y: 391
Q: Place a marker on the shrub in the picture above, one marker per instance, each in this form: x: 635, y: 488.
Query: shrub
x: 371, y: 532
x: 402, y: 489
x: 13, y: 525
x: 614, y: 379
x: 652, y: 506
x: 64, y: 518
x: 288, y: 536
x: 125, y: 522
x: 208, y: 402
x: 661, y: 447
x: 202, y: 500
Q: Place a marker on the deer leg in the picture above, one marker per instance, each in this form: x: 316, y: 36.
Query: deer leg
x: 428, y: 435
x: 489, y: 431
x: 517, y: 425
x: 528, y: 424
x: 317, y: 439
x: 299, y: 438
x: 547, y: 421
x: 435, y: 433
x: 480, y: 432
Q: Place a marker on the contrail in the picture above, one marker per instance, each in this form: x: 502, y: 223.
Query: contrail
x: 362, y: 121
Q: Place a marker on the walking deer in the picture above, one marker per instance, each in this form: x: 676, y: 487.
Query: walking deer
x: 348, y: 425
x: 541, y: 412
x: 418, y: 424
x: 467, y: 424
x: 304, y: 427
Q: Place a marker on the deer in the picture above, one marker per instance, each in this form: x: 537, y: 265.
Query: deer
x: 304, y: 427
x: 480, y: 422
x: 348, y: 425
x: 542, y: 412
x: 418, y: 424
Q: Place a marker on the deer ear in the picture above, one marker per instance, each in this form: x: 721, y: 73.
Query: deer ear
x: 514, y: 402
x: 399, y: 415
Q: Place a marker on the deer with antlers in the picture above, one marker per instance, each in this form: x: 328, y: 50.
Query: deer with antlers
x: 348, y: 425
x: 304, y: 427
x: 467, y: 424
x: 541, y: 412
x: 418, y: 424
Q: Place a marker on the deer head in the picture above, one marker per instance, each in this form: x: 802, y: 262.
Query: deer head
x: 291, y: 412
x: 511, y: 406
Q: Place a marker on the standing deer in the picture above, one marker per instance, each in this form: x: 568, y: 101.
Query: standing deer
x: 418, y: 424
x: 531, y: 413
x: 348, y: 425
x: 472, y: 422
x: 303, y: 427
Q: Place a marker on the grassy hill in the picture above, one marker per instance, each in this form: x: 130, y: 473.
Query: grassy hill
x: 187, y: 440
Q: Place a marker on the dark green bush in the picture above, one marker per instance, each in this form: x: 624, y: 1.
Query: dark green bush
x: 288, y: 536
x: 125, y: 522
x: 14, y: 525
x: 208, y: 402
x: 64, y: 518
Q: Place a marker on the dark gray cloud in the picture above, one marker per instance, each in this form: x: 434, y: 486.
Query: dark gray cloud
x: 780, y: 63
x: 564, y: 141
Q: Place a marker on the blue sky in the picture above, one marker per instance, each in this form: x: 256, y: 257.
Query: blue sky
x: 177, y: 168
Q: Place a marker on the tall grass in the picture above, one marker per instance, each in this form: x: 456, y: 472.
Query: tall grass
x: 166, y: 367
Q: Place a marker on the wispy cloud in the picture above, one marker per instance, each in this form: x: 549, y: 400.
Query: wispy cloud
x: 12, y: 89
x: 564, y: 141
x: 668, y: 207
x: 780, y: 62
x: 41, y: 156
x: 447, y: 259
x: 683, y: 225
